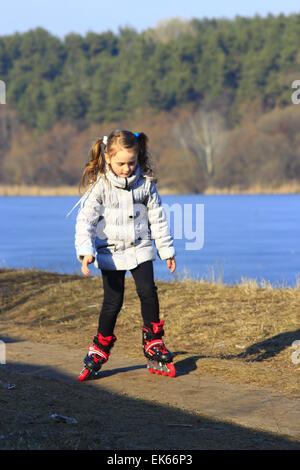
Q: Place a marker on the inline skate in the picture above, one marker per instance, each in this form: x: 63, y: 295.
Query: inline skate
x: 159, y: 358
x: 97, y: 355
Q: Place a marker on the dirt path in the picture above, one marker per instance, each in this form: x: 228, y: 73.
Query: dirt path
x: 264, y: 411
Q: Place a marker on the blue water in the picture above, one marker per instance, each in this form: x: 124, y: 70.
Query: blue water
x: 243, y: 236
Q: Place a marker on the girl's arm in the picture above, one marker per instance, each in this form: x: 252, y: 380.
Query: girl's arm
x: 158, y: 225
x: 86, y: 223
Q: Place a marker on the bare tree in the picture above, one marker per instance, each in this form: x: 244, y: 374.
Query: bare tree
x: 170, y: 29
x: 203, y: 136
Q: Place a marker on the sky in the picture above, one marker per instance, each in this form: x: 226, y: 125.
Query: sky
x: 61, y: 17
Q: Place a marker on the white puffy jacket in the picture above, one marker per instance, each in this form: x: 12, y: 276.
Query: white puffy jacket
x: 118, y: 220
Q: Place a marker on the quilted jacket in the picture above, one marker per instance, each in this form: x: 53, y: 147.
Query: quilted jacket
x: 119, y: 218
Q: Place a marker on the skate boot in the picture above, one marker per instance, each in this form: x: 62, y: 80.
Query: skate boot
x: 97, y: 355
x: 159, y: 358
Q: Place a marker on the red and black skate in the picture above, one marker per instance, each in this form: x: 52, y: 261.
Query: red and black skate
x: 97, y: 355
x: 159, y: 358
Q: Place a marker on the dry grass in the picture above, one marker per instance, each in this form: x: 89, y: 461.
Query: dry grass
x: 292, y: 187
x: 240, y: 334
x: 23, y: 190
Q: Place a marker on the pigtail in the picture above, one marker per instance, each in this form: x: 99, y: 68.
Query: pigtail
x: 144, y: 156
x: 95, y: 165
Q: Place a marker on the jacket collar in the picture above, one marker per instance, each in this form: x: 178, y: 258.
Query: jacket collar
x: 125, y: 183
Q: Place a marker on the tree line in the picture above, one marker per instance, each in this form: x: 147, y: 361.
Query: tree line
x: 106, y: 76
x: 201, y: 88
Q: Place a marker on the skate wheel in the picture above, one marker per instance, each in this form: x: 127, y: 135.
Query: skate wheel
x: 83, y: 375
x: 151, y: 370
x: 172, y: 370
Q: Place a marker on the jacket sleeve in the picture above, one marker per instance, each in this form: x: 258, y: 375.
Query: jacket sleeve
x: 158, y: 225
x: 86, y: 223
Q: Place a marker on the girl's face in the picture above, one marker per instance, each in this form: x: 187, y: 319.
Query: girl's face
x: 123, y: 162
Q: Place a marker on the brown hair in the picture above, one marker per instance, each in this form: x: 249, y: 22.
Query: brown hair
x: 116, y: 140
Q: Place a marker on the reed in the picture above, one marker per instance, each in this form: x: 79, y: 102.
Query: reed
x: 287, y: 188
x: 25, y: 190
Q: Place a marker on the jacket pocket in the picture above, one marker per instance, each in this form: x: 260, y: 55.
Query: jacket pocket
x: 107, y: 248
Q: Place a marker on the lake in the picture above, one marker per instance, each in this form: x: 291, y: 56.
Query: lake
x: 226, y: 238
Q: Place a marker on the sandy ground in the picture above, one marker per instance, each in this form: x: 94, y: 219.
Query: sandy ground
x: 135, y: 409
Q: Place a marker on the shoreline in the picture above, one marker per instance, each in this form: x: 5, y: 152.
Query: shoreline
x: 179, y: 278
x: 23, y: 190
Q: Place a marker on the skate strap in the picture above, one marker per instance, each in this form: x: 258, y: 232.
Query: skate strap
x: 104, y: 341
x: 93, y: 350
x: 157, y: 327
x: 155, y: 342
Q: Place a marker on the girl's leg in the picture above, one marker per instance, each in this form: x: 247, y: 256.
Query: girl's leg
x: 103, y: 341
x: 147, y: 292
x: 113, y: 285
x: 158, y: 356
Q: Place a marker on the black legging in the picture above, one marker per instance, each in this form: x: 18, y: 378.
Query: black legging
x: 113, y: 285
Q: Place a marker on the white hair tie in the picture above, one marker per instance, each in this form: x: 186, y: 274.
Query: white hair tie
x: 104, y: 140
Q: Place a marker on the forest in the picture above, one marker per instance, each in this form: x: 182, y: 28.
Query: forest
x: 214, y: 97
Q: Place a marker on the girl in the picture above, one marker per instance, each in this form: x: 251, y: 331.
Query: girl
x: 119, y: 217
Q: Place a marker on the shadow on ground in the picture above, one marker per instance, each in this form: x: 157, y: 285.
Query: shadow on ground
x: 270, y: 347
x: 256, y: 352
x: 187, y: 365
x: 30, y: 395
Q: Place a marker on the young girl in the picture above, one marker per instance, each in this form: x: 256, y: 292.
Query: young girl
x: 120, y: 215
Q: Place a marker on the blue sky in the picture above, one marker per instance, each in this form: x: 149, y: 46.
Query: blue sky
x: 61, y: 17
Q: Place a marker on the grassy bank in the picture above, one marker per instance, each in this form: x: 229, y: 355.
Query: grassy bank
x: 241, y: 333
x: 23, y: 190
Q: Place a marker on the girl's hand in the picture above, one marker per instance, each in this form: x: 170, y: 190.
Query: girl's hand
x: 171, y: 264
x: 88, y: 259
